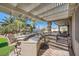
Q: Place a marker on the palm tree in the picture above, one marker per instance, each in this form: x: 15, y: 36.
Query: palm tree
x: 32, y: 25
x: 7, y: 24
x: 21, y: 23
x: 12, y: 24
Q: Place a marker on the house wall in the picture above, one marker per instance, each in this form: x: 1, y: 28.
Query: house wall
x: 75, y: 32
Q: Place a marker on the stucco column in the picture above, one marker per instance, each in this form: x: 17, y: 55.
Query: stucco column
x: 49, y: 26
x: 75, y: 32
x: 58, y: 28
x: 70, y: 27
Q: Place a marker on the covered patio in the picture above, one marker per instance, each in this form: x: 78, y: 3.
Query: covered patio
x: 50, y: 43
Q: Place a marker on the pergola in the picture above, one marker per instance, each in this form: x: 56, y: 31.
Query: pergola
x: 42, y: 11
x: 38, y: 11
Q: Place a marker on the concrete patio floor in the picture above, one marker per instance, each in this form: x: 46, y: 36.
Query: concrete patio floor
x: 54, y: 52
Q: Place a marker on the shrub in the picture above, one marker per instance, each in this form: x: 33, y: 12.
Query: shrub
x: 3, y: 44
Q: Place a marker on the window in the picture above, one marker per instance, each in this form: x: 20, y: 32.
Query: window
x: 63, y: 29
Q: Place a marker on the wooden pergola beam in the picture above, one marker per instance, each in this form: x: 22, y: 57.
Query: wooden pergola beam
x: 10, y: 7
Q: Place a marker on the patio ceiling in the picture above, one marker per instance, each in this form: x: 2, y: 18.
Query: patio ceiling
x: 42, y: 11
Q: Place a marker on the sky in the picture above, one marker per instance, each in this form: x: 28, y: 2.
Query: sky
x: 40, y: 24
x: 3, y: 15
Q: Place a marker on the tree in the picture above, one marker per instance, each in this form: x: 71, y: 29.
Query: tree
x: 12, y: 24
x: 21, y: 23
x: 7, y: 24
x: 32, y: 25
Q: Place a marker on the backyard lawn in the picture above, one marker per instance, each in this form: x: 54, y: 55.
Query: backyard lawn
x: 5, y: 49
x: 3, y: 40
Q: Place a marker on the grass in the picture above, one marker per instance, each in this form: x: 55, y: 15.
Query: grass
x: 4, y: 51
x: 3, y: 40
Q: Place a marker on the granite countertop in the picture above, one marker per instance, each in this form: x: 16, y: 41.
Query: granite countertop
x: 22, y: 37
x: 33, y: 40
